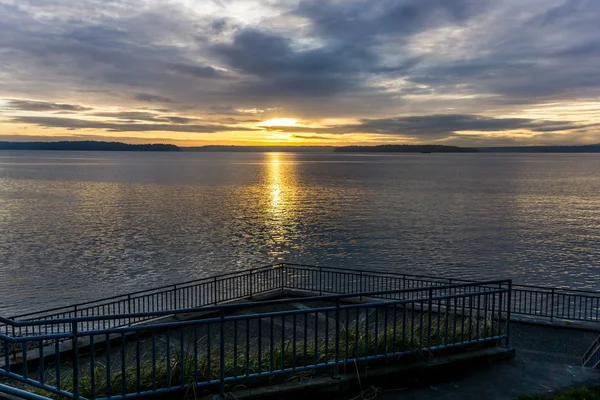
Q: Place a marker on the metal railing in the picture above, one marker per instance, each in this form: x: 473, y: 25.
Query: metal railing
x: 538, y: 302
x: 591, y: 358
x: 330, y: 333
x: 196, y: 293
x: 545, y: 303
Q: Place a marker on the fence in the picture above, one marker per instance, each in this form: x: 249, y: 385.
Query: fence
x: 197, y: 293
x: 131, y: 361
x: 544, y: 303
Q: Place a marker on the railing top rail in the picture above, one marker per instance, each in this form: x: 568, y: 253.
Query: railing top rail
x: 20, y: 393
x: 124, y: 295
x: 225, y: 307
x: 173, y: 324
x: 594, y: 347
x: 429, y: 277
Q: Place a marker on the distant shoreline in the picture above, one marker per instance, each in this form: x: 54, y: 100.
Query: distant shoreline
x: 388, y: 148
x: 86, y: 146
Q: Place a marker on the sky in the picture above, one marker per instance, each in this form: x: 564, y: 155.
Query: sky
x: 301, y: 72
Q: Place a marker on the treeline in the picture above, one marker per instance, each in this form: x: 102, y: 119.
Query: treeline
x: 405, y: 148
x: 88, y: 145
x: 588, y: 148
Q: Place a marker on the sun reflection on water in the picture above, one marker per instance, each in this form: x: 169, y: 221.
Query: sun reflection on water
x: 280, y: 205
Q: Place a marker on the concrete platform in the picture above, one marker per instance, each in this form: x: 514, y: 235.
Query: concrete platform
x: 548, y: 359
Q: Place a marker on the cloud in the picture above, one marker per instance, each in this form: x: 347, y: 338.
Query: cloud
x: 282, y: 70
x: 76, y: 136
x: 179, y: 120
x: 231, y: 110
x: 224, y: 110
x: 439, y: 126
x: 152, y: 98
x: 198, y: 71
x: 319, y: 137
x: 30, y: 105
x: 310, y: 59
x: 360, y: 21
x: 146, y: 116
x: 75, y: 124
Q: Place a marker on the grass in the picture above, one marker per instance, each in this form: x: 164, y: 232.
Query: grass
x: 184, y: 369
x: 573, y: 394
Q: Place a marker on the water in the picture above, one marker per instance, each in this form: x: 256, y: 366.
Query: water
x: 76, y: 226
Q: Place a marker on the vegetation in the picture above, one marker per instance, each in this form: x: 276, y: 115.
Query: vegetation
x: 573, y: 394
x: 179, y: 370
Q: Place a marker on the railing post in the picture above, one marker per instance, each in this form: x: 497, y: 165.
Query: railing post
x: 509, y: 306
x: 282, y: 273
x: 336, y: 370
x: 250, y: 280
x: 429, y: 306
x: 222, y: 354
x: 129, y: 309
x: 75, y: 347
x: 552, y: 306
x: 175, y: 297
x: 215, y: 290
x: 360, y: 287
x: 320, y: 280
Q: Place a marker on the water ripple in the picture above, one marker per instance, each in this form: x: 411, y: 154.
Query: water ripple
x: 77, y: 226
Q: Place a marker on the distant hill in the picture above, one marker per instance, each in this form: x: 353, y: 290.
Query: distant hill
x: 430, y: 148
x: 587, y: 148
x: 88, y: 145
x: 405, y: 148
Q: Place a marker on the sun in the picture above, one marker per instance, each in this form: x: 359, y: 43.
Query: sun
x: 279, y: 122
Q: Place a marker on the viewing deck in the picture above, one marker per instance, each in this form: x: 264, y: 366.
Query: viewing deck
x: 213, y: 333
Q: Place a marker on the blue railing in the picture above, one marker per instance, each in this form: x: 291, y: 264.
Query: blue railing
x: 547, y: 304
x: 330, y: 333
x: 591, y: 358
x: 532, y: 302
x: 52, y: 329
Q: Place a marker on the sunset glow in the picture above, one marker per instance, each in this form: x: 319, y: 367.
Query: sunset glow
x: 279, y: 122
x: 306, y: 72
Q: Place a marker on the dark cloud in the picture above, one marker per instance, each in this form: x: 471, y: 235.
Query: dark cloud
x: 361, y: 21
x: 319, y: 137
x: 197, y: 71
x: 448, y: 124
x: 29, y: 105
x: 231, y: 110
x: 74, y: 124
x: 76, y: 136
x: 437, y: 126
x: 224, y: 110
x: 146, y: 116
x: 152, y: 98
x: 284, y: 71
x: 178, y: 120
x: 129, y: 115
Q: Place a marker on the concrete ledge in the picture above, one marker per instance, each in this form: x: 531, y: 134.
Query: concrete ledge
x: 559, y: 323
x: 404, y: 375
